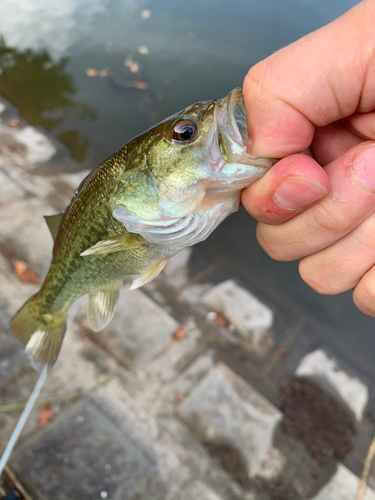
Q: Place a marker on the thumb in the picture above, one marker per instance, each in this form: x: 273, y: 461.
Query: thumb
x: 323, y: 77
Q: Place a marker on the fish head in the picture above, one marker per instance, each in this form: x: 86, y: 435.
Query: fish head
x: 187, y: 173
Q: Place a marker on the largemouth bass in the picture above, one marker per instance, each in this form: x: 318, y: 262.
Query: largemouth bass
x: 166, y: 189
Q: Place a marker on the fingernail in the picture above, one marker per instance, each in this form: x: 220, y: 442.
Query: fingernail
x: 297, y: 192
x: 363, y: 167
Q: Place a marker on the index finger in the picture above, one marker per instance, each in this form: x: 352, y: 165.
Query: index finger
x: 313, y: 82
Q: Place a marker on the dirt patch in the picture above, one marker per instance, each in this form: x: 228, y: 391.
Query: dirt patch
x: 314, y: 417
x: 230, y: 460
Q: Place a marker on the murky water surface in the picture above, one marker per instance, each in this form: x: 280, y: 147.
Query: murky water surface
x: 98, y: 72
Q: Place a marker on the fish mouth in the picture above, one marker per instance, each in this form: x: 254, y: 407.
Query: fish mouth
x: 237, y: 116
x: 231, y: 117
x: 232, y: 136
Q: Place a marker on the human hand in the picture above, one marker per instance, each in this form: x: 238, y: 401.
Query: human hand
x: 319, y: 93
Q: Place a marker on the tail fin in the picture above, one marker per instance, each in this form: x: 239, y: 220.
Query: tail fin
x: 40, y: 333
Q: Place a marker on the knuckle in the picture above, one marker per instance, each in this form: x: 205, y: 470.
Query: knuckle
x: 330, y: 221
x: 364, y: 295
x: 254, y: 83
x: 364, y: 236
x: 273, y: 246
x: 319, y: 279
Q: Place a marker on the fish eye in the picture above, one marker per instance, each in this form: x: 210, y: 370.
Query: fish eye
x: 184, y: 130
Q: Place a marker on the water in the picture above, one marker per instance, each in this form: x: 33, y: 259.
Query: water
x: 190, y: 51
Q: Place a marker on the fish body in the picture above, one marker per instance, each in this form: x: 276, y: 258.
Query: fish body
x: 166, y: 189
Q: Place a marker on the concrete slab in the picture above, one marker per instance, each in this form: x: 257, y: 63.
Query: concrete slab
x: 247, y: 316
x: 12, y: 359
x: 82, y: 455
x: 223, y: 410
x: 199, y: 491
x: 24, y: 231
x: 140, y: 328
x: 343, y: 486
x: 38, y: 147
x: 176, y: 272
x: 9, y: 189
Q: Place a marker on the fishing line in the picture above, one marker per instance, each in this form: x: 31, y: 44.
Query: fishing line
x: 33, y: 397
x: 21, y: 422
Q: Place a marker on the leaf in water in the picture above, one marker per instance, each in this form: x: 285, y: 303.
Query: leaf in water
x: 143, y: 50
x: 92, y: 72
x: 140, y: 85
x: 146, y: 13
x: 134, y: 67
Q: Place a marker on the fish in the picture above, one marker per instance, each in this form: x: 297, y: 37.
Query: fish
x: 165, y: 190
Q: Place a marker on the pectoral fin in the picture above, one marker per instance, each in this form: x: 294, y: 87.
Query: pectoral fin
x: 117, y: 243
x: 102, y: 305
x: 53, y: 222
x: 149, y: 274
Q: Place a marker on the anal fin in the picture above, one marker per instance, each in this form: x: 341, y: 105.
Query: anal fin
x: 102, y: 305
x: 149, y: 274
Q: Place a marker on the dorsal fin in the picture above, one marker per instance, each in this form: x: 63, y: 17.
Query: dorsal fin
x: 53, y: 223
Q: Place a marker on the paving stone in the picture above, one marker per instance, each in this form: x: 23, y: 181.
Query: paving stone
x: 343, y: 486
x: 199, y: 491
x: 244, y: 311
x: 55, y: 190
x: 24, y: 231
x: 82, y: 455
x: 39, y: 147
x: 13, y: 292
x: 180, y: 348
x: 223, y: 410
x: 180, y: 460
x: 140, y: 328
x: 152, y: 440
x: 195, y: 374
x: 12, y: 359
x: 29, y: 146
x: 9, y: 190
x: 326, y: 372
x: 155, y: 377
x: 194, y: 294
